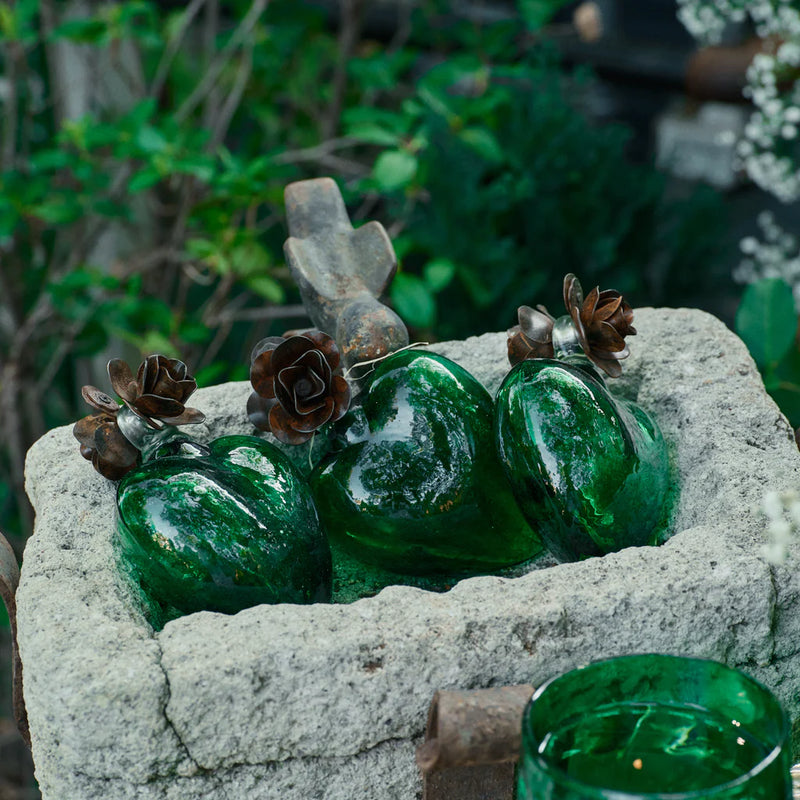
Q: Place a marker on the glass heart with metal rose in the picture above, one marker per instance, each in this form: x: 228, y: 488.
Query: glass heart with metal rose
x: 590, y: 470
x: 217, y: 527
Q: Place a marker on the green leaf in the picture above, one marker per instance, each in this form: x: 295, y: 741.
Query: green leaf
x: 537, y: 13
x: 413, y: 300
x: 370, y: 133
x: 57, y: 212
x: 438, y: 273
x: 766, y: 321
x: 266, y: 287
x: 484, y: 143
x: 145, y: 179
x: 82, y: 31
x: 151, y: 140
x: 394, y: 169
x: 8, y: 22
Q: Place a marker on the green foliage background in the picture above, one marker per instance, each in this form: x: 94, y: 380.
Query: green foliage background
x: 464, y: 139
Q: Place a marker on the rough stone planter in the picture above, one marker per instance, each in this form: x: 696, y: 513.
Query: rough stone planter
x: 329, y: 701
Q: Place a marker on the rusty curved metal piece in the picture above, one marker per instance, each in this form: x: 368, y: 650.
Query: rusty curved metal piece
x: 342, y: 272
x: 9, y: 580
x: 471, y: 743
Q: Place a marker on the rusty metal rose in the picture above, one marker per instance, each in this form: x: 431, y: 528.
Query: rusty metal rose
x: 601, y: 322
x: 296, y: 388
x: 533, y: 337
x: 158, y: 393
x: 102, y: 443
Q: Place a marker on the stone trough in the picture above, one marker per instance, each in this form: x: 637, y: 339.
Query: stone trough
x: 330, y: 701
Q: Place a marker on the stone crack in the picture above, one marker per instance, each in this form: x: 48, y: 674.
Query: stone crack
x: 197, y: 768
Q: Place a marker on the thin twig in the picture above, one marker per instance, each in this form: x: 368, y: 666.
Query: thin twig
x: 234, y: 98
x: 351, y: 16
x: 210, y: 32
x: 171, y: 50
x: 212, y: 74
x: 316, y: 152
x: 257, y: 314
x: 10, y: 109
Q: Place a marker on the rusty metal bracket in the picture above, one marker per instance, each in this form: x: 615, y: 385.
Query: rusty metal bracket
x: 472, y: 743
x: 9, y: 580
x: 342, y: 272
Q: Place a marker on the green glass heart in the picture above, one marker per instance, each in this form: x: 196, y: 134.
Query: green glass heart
x: 222, y: 528
x: 589, y: 471
x: 417, y: 488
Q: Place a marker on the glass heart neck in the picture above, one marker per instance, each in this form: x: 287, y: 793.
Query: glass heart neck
x: 156, y: 442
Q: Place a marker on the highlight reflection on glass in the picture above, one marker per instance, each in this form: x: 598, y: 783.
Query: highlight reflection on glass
x: 654, y: 727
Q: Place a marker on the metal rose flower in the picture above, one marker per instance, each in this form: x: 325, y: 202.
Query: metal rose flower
x: 102, y: 442
x: 159, y: 392
x: 296, y: 388
x: 533, y: 337
x: 599, y: 324
x: 602, y: 321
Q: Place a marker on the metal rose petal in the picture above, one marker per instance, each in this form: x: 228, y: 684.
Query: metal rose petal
x: 573, y: 293
x: 190, y: 416
x: 534, y: 324
x: 108, y: 469
x: 326, y: 345
x: 280, y: 423
x: 147, y: 373
x: 122, y: 382
x: 606, y: 337
x: 287, y: 353
x: 151, y: 405
x: 308, y: 423
x: 283, y: 386
x: 177, y: 369
x: 610, y: 367
x: 340, y: 391
x: 262, y: 374
x: 308, y: 393
x: 589, y: 306
x: 83, y: 430
x: 258, y: 409
x: 315, y: 361
x: 86, y: 452
x: 264, y: 346
x: 608, y: 307
x: 98, y: 399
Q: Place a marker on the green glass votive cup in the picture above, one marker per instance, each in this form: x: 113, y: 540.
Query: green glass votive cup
x: 654, y: 727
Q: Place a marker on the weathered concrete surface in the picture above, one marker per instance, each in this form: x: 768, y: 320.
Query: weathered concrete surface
x: 326, y: 701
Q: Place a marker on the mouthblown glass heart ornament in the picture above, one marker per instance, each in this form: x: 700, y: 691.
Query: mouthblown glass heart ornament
x: 590, y: 471
x: 220, y: 527
x: 416, y: 487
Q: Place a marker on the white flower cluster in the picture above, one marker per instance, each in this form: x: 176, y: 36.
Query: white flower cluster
x: 777, y: 256
x: 782, y: 510
x: 770, y: 150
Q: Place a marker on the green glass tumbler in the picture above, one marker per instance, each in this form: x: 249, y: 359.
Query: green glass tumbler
x: 654, y: 727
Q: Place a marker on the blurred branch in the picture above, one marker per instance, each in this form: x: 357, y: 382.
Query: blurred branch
x: 351, y: 18
x: 215, y: 68
x: 210, y: 33
x: 315, y: 153
x: 229, y: 315
x: 225, y: 114
x: 11, y: 53
x: 162, y: 71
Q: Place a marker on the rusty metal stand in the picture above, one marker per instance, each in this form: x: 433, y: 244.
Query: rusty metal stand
x: 472, y: 743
